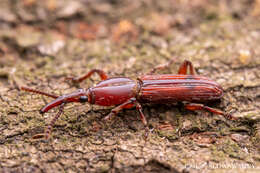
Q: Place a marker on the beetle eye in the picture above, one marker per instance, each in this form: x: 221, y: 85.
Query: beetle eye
x: 83, y: 99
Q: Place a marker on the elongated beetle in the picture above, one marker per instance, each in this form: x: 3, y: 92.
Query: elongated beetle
x: 125, y: 93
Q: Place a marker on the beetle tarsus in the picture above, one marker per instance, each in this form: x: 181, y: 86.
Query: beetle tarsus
x: 195, y: 106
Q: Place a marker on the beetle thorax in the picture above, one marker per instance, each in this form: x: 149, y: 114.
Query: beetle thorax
x: 113, y: 91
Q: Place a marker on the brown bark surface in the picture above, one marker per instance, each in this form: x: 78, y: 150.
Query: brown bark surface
x: 43, y: 42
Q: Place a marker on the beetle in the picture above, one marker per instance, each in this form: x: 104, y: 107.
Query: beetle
x: 125, y: 93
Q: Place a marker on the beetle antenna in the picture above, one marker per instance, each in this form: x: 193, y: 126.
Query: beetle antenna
x: 51, y: 124
x: 38, y: 92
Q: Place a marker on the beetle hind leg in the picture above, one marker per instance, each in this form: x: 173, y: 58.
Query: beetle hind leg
x: 195, y: 106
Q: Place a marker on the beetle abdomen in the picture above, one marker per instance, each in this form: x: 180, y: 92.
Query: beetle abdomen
x: 174, y: 88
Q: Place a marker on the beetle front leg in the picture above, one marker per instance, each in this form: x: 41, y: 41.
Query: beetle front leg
x: 184, y: 67
x: 195, y: 106
x: 101, y: 74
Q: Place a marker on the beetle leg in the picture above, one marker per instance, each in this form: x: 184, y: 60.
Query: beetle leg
x: 195, y: 106
x: 101, y: 74
x: 184, y: 66
x: 128, y: 104
x: 142, y: 117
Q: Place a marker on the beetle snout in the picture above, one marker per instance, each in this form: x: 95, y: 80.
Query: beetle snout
x: 77, y: 96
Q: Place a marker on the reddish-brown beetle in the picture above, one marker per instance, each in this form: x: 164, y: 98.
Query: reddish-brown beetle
x: 124, y: 92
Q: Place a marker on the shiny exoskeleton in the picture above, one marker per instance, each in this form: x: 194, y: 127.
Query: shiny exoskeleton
x: 125, y: 93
